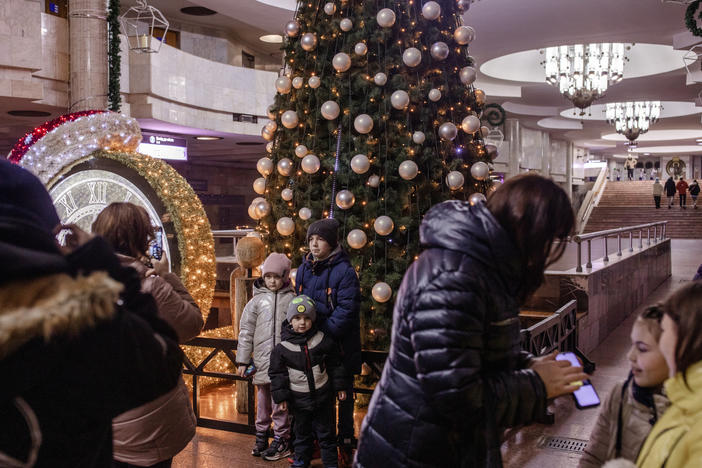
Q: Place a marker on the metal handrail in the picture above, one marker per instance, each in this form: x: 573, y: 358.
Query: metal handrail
x: 657, y: 237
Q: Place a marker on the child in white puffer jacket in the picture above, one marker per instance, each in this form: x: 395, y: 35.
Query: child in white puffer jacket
x: 259, y: 332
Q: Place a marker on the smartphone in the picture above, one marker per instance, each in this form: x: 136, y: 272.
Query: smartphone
x: 585, y: 396
x: 157, y: 245
x: 250, y: 370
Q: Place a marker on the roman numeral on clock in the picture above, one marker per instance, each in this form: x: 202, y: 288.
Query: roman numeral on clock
x: 98, y: 192
x: 68, y: 203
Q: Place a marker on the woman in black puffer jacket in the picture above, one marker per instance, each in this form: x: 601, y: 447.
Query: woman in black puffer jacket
x: 456, y: 375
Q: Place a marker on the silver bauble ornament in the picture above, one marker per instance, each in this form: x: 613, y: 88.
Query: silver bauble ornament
x: 479, y: 170
x: 381, y: 292
x: 467, y: 75
x: 267, y: 134
x: 341, y: 62
x: 262, y: 208
x: 412, y: 57
x: 330, y: 110
x: 400, y: 99
x: 470, y: 124
x: 286, y: 194
x: 360, y: 49
x: 439, y: 51
x: 297, y: 82
x: 269, y: 147
x: 385, y: 18
x: 285, y: 226
x: 418, y: 137
x: 455, y: 180
x: 383, y: 225
x: 491, y: 151
x: 484, y: 131
x: 464, y: 35
x: 289, y: 119
x: 374, y: 181
x: 431, y: 10
x: 480, y: 97
x: 308, y: 41
x: 259, y: 186
x: 476, y: 198
x: 310, y: 164
x: 271, y: 113
x: 285, y: 167
x: 363, y: 123
x: 256, y: 200
x: 314, y: 82
x: 380, y: 79
x: 346, y: 24
x: 271, y: 126
x: 252, y: 212
x: 434, y: 94
x: 292, y: 28
x: 300, y: 151
x: 283, y: 84
x: 360, y: 164
x: 305, y: 213
x: 329, y: 8
x: 264, y: 166
x: 408, y: 169
x: 463, y: 5
x: 345, y: 199
x: 448, y: 131
x: 356, y: 239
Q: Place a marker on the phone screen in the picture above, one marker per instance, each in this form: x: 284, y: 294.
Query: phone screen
x: 585, y: 396
x: 157, y: 244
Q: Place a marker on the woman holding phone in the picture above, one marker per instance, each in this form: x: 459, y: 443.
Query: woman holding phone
x: 455, y: 376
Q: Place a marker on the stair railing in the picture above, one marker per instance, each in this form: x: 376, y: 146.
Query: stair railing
x: 658, y: 235
x: 591, y: 200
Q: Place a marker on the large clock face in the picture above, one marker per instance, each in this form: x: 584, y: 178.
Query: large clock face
x: 81, y: 196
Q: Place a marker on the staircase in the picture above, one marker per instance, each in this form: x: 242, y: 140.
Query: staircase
x: 628, y: 203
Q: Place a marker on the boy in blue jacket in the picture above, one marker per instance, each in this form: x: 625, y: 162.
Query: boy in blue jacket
x: 326, y: 276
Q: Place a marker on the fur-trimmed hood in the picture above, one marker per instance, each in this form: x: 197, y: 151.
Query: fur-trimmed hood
x: 53, y: 305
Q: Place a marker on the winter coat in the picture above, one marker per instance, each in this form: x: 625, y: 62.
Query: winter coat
x: 259, y: 327
x: 333, y: 285
x: 676, y: 439
x: 694, y: 189
x: 455, y: 376
x: 657, y: 189
x: 72, y: 355
x: 637, y: 420
x: 682, y: 187
x: 630, y: 163
x: 160, y: 429
x: 670, y: 187
x: 306, y: 369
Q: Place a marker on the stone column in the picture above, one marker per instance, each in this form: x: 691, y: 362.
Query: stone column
x: 545, y: 154
x: 88, y: 48
x: 570, y: 153
x: 513, y: 134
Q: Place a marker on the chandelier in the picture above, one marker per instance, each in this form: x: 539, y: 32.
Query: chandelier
x: 582, y: 72
x: 632, y: 119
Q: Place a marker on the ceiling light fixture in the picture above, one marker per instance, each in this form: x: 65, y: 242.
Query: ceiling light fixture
x: 632, y: 119
x: 583, y: 72
x: 138, y: 24
x: 272, y: 38
x: 208, y: 138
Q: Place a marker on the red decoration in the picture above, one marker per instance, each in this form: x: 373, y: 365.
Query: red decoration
x: 30, y: 138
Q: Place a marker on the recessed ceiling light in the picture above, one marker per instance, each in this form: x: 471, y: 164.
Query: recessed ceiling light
x: 29, y: 113
x: 272, y: 38
x: 207, y: 138
x: 249, y: 143
x: 197, y: 11
x: 682, y: 149
x: 699, y: 140
x: 659, y: 135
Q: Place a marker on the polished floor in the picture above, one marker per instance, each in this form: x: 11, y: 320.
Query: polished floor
x: 522, y: 449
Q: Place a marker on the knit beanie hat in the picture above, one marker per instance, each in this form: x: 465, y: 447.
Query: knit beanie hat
x: 301, y: 305
x: 277, y: 263
x: 23, y: 197
x: 327, y: 229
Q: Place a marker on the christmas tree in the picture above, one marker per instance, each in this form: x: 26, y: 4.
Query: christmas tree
x: 375, y: 120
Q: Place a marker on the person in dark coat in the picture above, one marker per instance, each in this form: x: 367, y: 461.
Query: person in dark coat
x: 306, y: 371
x: 455, y: 376
x: 670, y: 191
x: 79, y: 343
x: 326, y: 275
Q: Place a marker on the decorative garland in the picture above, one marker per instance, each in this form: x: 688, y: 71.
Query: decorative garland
x: 113, y: 57
x: 494, y: 114
x: 690, y: 20
x: 195, y: 241
x: 30, y: 138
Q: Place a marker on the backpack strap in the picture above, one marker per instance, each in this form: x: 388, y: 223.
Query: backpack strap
x: 620, y: 422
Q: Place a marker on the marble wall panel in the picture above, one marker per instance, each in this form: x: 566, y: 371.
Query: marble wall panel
x: 559, y: 149
x: 531, y: 149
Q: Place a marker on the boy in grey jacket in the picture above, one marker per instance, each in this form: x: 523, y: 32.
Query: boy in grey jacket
x: 259, y: 332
